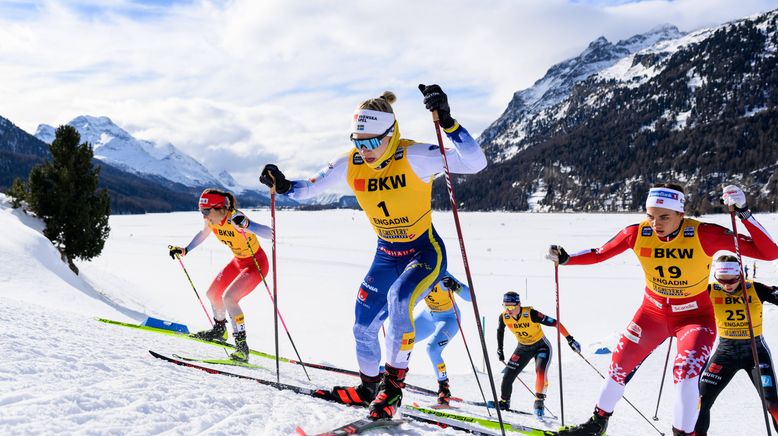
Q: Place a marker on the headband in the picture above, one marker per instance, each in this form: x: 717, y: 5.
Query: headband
x: 726, y: 269
x: 665, y: 198
x: 371, y: 122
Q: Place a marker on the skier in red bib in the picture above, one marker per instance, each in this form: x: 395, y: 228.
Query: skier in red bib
x: 675, y: 253
x: 241, y: 275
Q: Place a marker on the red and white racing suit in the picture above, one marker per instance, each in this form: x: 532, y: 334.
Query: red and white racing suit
x: 676, y: 302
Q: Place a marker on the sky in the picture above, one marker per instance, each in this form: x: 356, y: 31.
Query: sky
x: 238, y: 84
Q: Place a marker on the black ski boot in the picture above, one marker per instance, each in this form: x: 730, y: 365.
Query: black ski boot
x: 444, y: 393
x: 504, y: 404
x: 390, y: 393
x: 362, y: 394
x: 241, y: 352
x: 595, y: 426
x: 539, y: 406
x: 677, y: 432
x: 217, y: 333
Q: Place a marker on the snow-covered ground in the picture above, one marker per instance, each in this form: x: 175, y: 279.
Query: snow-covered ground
x: 62, y: 372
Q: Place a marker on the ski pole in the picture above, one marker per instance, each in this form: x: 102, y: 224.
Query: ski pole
x: 625, y: 398
x: 275, y: 279
x: 469, y: 356
x: 559, y: 344
x: 207, y: 315
x: 455, y: 211
x: 662, y: 383
x: 278, y: 313
x: 754, y: 353
x: 180, y: 262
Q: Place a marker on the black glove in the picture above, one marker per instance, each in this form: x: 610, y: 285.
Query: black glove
x: 240, y: 221
x: 574, y: 344
x: 436, y: 100
x: 273, y: 177
x: 451, y: 284
x: 500, y: 356
x: 557, y: 254
x: 176, y: 251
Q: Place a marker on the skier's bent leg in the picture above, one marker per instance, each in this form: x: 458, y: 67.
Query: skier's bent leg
x: 218, y: 286
x: 646, y: 330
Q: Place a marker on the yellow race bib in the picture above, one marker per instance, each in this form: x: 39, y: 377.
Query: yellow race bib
x: 396, y: 201
x: 731, y: 319
x: 439, y: 299
x: 527, y: 332
x: 674, y: 269
x: 231, y: 237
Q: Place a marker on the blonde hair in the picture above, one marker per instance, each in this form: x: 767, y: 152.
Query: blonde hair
x: 380, y: 104
x: 231, y: 200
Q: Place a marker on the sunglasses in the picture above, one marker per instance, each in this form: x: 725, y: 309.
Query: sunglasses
x: 728, y: 282
x: 510, y: 306
x: 207, y: 211
x: 371, y: 143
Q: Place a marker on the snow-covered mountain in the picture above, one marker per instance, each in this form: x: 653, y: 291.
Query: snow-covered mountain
x: 700, y: 109
x: 116, y: 146
x: 506, y: 132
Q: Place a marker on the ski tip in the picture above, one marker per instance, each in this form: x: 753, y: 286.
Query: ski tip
x: 300, y: 432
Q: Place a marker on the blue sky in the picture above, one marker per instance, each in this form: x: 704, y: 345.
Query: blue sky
x: 241, y: 83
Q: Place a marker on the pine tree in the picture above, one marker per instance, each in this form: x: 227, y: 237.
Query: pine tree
x: 17, y: 192
x: 63, y: 192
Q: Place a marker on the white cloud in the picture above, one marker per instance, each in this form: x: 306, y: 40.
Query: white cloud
x: 244, y: 82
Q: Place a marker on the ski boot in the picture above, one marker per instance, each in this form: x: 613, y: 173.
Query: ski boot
x: 390, y: 393
x: 504, y: 404
x: 217, y: 333
x: 677, y: 432
x: 539, y: 405
x: 241, y: 353
x: 595, y: 426
x: 362, y: 394
x: 444, y: 393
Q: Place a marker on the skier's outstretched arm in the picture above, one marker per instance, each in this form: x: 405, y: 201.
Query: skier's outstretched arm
x: 328, y: 178
x: 620, y: 243
x: 241, y: 222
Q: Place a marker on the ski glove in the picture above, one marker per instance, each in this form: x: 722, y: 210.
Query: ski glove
x: 451, y: 284
x: 557, y: 254
x: 240, y: 221
x: 273, y: 177
x: 500, y: 356
x: 436, y: 100
x: 176, y: 251
x: 574, y: 344
x: 734, y: 196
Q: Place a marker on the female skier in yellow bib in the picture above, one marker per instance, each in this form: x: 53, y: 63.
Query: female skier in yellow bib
x: 240, y: 276
x: 392, y: 180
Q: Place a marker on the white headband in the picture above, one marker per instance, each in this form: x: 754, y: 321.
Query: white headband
x: 665, y: 198
x: 726, y: 269
x: 371, y: 122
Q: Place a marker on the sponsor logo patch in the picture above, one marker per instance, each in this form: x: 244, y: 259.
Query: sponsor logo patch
x: 715, y: 368
x: 632, y: 337
x: 684, y: 307
x: 362, y: 295
x: 646, y: 231
x: 356, y: 159
x: 688, y: 232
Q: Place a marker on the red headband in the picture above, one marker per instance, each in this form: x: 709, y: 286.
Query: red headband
x: 211, y: 201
